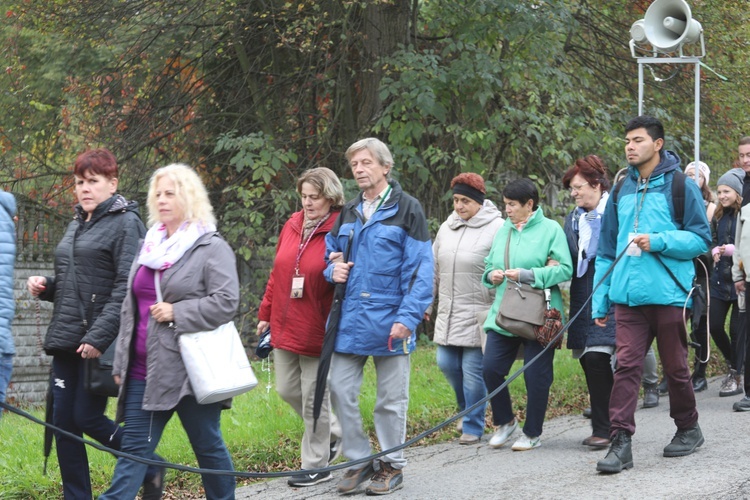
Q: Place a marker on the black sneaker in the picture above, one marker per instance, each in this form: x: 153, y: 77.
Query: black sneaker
x: 309, y: 479
x: 742, y: 405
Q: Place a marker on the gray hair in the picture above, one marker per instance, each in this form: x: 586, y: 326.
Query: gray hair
x: 377, y: 148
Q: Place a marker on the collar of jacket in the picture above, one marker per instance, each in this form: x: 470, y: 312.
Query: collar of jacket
x: 392, y: 198
x: 116, y: 203
x: 484, y: 216
x: 668, y: 162
x: 536, y: 217
x: 298, y: 219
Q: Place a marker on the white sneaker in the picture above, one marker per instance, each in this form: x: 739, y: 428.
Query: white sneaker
x: 525, y: 443
x: 503, y: 433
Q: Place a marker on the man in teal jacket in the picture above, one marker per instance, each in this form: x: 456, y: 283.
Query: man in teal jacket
x: 648, y: 302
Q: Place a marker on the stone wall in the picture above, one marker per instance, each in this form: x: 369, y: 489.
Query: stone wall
x: 30, y: 365
x: 38, y: 231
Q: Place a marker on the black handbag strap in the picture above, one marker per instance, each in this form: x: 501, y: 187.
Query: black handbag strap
x: 671, y: 274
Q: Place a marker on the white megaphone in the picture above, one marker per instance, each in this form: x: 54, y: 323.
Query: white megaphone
x: 668, y: 25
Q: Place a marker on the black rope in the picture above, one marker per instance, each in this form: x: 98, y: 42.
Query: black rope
x: 330, y: 468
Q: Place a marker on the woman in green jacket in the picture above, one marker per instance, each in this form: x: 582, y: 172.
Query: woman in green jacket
x: 538, y: 255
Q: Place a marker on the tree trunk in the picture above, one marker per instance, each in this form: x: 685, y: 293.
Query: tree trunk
x: 385, y: 26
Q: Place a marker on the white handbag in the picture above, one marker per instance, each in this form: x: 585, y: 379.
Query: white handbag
x: 216, y: 361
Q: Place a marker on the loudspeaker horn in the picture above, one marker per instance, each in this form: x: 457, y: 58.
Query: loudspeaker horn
x: 638, y: 31
x: 669, y: 24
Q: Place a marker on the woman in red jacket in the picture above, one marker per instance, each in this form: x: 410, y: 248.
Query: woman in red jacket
x: 295, y: 306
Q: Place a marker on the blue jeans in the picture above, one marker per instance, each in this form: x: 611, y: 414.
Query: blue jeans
x: 6, y: 369
x: 143, y: 430
x: 462, y: 367
x: 499, y: 355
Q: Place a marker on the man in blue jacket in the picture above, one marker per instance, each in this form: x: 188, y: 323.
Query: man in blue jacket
x: 648, y: 302
x: 389, y: 287
x: 7, y: 301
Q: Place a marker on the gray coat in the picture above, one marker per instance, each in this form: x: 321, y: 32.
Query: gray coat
x: 463, y: 301
x: 203, y: 288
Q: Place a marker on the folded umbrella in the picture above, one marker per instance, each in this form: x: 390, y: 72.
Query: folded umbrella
x: 329, y: 340
x: 48, y: 412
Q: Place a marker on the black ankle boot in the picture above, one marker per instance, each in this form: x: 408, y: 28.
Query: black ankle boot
x: 699, y: 383
x: 620, y: 455
x: 650, y: 396
x: 685, y: 442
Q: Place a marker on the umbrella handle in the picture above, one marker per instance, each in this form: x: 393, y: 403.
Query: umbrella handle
x: 348, y: 249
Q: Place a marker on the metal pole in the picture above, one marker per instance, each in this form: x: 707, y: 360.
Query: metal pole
x: 640, y: 88
x: 697, y: 112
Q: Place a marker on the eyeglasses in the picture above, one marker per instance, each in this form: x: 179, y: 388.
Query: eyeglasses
x: 575, y: 189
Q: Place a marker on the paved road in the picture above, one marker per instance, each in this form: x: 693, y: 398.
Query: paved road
x: 563, y: 468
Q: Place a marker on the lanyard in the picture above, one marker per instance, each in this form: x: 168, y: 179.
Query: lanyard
x: 303, y: 244
x: 382, y: 200
x: 639, y: 206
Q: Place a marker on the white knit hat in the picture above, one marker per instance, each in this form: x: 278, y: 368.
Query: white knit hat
x: 702, y: 168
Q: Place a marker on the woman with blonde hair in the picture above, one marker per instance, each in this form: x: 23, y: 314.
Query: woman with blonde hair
x: 195, y: 270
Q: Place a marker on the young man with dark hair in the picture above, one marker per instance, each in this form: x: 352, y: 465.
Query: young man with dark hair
x: 649, y: 287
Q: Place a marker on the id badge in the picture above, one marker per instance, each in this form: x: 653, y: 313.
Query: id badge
x: 298, y: 283
x: 633, y: 249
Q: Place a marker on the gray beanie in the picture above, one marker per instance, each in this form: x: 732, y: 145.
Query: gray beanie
x: 734, y: 179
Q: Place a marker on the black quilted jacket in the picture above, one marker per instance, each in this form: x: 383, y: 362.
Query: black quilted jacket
x: 105, y: 247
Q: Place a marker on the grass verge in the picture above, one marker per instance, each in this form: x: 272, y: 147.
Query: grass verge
x: 263, y: 433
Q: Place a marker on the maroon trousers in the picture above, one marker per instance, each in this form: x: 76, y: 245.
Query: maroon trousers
x: 636, y: 329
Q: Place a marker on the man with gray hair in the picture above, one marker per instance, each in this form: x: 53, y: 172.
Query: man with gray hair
x: 389, y: 286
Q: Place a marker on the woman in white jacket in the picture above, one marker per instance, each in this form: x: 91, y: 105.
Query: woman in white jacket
x: 461, y: 245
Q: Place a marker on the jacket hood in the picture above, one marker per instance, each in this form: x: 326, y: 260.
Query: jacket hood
x: 669, y: 162
x: 486, y: 214
x: 117, y: 203
x: 8, y: 202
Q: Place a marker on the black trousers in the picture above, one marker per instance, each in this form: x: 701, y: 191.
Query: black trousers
x: 597, y: 367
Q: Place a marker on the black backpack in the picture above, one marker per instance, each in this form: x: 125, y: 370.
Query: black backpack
x: 678, y: 196
x: 678, y: 208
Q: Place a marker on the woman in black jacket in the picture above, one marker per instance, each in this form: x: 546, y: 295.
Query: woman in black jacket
x: 593, y: 346
x: 87, y: 293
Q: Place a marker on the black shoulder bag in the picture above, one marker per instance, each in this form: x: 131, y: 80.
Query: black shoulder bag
x: 97, y: 372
